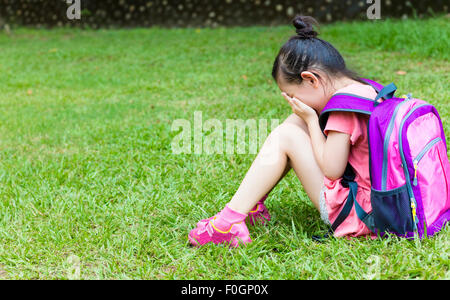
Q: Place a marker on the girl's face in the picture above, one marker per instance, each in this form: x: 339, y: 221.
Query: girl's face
x: 311, y: 91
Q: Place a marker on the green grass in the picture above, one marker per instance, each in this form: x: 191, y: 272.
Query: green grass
x: 87, y: 169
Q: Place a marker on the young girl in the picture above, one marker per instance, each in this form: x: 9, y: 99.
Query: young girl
x: 308, y: 72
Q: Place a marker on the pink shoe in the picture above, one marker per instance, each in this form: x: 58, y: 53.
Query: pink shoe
x: 206, y: 232
x: 204, y: 222
x: 259, y: 213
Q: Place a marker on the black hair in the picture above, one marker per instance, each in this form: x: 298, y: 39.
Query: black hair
x: 305, y: 52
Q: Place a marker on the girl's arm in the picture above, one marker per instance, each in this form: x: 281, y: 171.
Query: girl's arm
x: 332, y: 152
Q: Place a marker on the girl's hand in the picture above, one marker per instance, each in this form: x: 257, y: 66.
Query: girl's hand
x: 301, y: 109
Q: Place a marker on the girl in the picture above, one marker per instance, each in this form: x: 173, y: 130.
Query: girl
x: 308, y: 72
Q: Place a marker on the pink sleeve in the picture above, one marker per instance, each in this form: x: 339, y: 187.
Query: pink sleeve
x: 346, y: 122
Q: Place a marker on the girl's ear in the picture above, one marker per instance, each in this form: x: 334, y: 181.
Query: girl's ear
x: 310, y: 78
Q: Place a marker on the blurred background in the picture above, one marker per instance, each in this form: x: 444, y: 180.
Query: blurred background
x: 202, y: 13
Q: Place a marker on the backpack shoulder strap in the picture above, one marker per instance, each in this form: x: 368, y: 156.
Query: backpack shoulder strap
x: 350, y: 102
x: 377, y: 86
x: 348, y: 181
x: 346, y: 102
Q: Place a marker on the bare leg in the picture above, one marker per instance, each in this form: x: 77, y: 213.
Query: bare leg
x: 294, y: 119
x: 287, y: 146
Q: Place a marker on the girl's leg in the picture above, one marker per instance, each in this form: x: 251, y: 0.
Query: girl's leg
x: 294, y: 119
x: 288, y: 145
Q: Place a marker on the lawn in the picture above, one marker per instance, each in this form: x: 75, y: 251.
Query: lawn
x: 90, y: 187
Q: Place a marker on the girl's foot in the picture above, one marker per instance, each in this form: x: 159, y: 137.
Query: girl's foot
x: 259, y: 213
x: 227, y: 226
x: 207, y: 232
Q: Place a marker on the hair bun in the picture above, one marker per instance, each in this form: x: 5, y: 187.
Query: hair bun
x: 304, y: 27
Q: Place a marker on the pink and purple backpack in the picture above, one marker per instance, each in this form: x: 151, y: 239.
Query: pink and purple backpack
x: 409, y: 166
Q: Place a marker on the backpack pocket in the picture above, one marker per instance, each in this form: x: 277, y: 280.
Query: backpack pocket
x: 391, y: 210
x: 419, y: 157
x: 431, y: 180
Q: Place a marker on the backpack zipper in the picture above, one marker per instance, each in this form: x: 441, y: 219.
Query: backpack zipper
x: 414, y: 213
x: 387, y: 137
x: 420, y: 156
x: 405, y: 169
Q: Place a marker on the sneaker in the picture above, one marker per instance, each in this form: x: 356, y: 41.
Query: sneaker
x: 206, y: 232
x: 259, y: 213
x: 204, y: 222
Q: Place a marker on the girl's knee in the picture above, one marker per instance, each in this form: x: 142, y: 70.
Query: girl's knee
x: 296, y: 120
x: 290, y: 134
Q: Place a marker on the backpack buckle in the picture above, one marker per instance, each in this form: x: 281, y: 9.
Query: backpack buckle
x: 386, y: 93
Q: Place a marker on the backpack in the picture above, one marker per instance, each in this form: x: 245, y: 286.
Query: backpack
x: 408, y: 162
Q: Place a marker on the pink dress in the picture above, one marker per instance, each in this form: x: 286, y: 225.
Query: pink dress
x: 335, y: 194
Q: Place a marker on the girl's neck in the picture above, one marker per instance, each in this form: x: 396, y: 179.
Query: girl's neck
x: 337, y: 84
x: 341, y: 83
